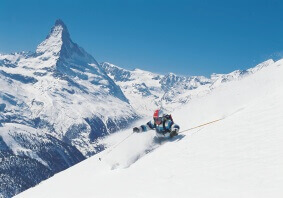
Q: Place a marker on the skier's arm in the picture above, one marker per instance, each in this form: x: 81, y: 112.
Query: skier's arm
x: 148, y: 126
x: 172, y: 128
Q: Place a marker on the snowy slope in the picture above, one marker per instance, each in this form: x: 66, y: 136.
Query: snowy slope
x: 147, y: 91
x: 239, y: 156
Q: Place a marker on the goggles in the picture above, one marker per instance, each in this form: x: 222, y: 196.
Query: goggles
x: 158, y: 120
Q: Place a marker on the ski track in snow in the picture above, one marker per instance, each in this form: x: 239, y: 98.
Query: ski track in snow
x: 239, y: 156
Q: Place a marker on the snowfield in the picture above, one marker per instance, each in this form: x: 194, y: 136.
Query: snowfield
x: 239, y: 156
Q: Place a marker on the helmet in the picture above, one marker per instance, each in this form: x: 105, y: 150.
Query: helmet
x: 158, y: 116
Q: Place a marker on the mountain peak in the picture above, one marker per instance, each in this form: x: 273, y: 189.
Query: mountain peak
x: 59, y: 44
x: 58, y: 35
x: 59, y: 22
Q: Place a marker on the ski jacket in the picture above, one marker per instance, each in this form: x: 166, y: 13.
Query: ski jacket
x: 163, y: 129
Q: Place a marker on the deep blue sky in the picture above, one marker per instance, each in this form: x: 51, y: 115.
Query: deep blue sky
x: 185, y: 37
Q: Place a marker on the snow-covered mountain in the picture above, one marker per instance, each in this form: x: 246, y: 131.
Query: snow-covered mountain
x: 147, y: 91
x: 61, y: 87
x: 58, y: 98
x: 239, y: 156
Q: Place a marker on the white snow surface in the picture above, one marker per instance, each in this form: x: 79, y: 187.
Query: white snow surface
x: 239, y: 156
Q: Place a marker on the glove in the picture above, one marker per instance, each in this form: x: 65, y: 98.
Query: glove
x: 174, y: 132
x: 136, y: 130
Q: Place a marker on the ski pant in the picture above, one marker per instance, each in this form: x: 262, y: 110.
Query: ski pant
x: 163, y: 135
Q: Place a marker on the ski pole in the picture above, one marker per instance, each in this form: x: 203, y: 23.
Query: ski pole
x: 201, y: 125
x: 111, y: 149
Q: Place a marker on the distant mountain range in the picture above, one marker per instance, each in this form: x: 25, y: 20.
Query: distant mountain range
x: 147, y: 91
x: 57, y: 102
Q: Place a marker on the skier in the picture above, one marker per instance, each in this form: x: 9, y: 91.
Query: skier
x: 162, y: 123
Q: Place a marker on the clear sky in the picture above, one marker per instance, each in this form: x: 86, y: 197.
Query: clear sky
x: 184, y: 37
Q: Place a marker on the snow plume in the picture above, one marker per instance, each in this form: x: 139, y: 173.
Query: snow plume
x: 133, y: 148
